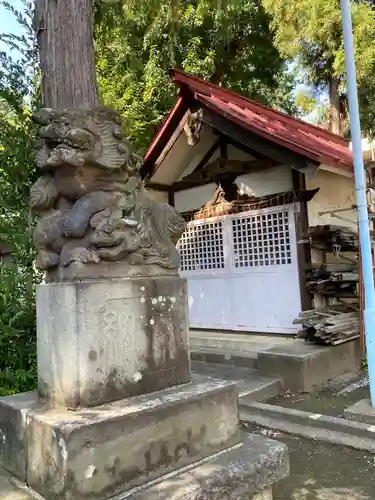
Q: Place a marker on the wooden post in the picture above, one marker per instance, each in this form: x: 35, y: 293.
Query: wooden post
x: 65, y: 37
x: 303, y: 249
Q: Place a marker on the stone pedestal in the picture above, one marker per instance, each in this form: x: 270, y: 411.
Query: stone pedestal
x: 116, y: 352
x: 104, y: 340
x: 179, y: 443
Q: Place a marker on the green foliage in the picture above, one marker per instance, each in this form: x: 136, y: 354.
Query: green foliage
x: 364, y: 365
x: 310, y: 32
x: 17, y: 173
x: 228, y: 42
x: 306, y: 102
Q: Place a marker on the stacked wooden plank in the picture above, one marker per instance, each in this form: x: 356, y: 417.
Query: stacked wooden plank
x: 337, y: 281
x: 334, y: 326
x: 329, y: 237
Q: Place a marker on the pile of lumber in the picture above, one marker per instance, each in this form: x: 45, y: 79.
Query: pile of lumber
x: 328, y: 237
x: 338, y: 281
x: 336, y: 325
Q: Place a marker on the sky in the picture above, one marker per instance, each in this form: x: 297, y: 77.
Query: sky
x: 8, y: 23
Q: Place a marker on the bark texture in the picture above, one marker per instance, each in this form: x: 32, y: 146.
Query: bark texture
x: 65, y: 37
x: 338, y: 112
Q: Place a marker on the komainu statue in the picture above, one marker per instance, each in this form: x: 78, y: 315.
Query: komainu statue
x: 90, y: 203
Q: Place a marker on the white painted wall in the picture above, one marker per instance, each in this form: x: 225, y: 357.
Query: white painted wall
x: 270, y: 181
x: 336, y: 192
x: 274, y: 180
x: 195, y: 198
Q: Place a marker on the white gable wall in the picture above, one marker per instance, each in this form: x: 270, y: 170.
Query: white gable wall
x: 336, y: 192
x: 270, y: 181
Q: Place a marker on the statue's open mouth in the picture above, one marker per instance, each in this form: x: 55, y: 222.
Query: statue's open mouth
x: 51, y: 144
x: 105, y: 243
x: 60, y: 151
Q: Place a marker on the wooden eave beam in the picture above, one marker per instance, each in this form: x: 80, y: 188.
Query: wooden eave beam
x: 245, y: 149
x: 156, y: 186
x: 254, y: 166
x: 255, y: 142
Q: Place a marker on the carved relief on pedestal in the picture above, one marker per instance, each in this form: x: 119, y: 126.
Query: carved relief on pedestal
x: 90, y: 201
x: 165, y: 340
x: 125, y: 344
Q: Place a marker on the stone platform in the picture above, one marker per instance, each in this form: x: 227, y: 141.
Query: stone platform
x: 95, y: 453
x: 246, y: 471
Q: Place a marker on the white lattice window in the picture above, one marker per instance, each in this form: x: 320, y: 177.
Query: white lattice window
x: 261, y: 240
x: 201, y: 247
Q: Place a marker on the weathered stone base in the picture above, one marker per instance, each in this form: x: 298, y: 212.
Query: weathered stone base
x: 104, y: 340
x: 93, y: 454
x: 246, y: 472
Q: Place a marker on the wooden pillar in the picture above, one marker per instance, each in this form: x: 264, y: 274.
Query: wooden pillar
x: 171, y: 198
x: 303, y: 245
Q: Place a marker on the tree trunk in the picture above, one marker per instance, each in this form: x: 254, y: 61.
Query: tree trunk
x: 66, y: 46
x: 335, y: 104
x: 338, y: 113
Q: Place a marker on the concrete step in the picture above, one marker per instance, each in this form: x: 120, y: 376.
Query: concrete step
x: 246, y: 344
x: 251, y: 385
x: 335, y: 430
x: 302, y: 366
x: 297, y: 364
x: 223, y: 357
x: 236, y: 349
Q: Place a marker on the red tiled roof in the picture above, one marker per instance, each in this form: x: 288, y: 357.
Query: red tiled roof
x: 294, y: 134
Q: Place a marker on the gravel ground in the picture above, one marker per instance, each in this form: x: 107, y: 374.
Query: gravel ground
x: 321, y: 471
x: 330, y: 399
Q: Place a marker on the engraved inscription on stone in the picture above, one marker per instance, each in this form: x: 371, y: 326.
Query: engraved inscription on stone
x: 124, y: 342
x: 166, y: 339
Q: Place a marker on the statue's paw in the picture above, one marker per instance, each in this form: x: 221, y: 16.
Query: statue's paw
x: 47, y: 260
x: 135, y: 259
x: 111, y: 254
x: 80, y: 254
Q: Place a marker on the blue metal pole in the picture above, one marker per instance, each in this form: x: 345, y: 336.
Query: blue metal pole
x: 360, y: 187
